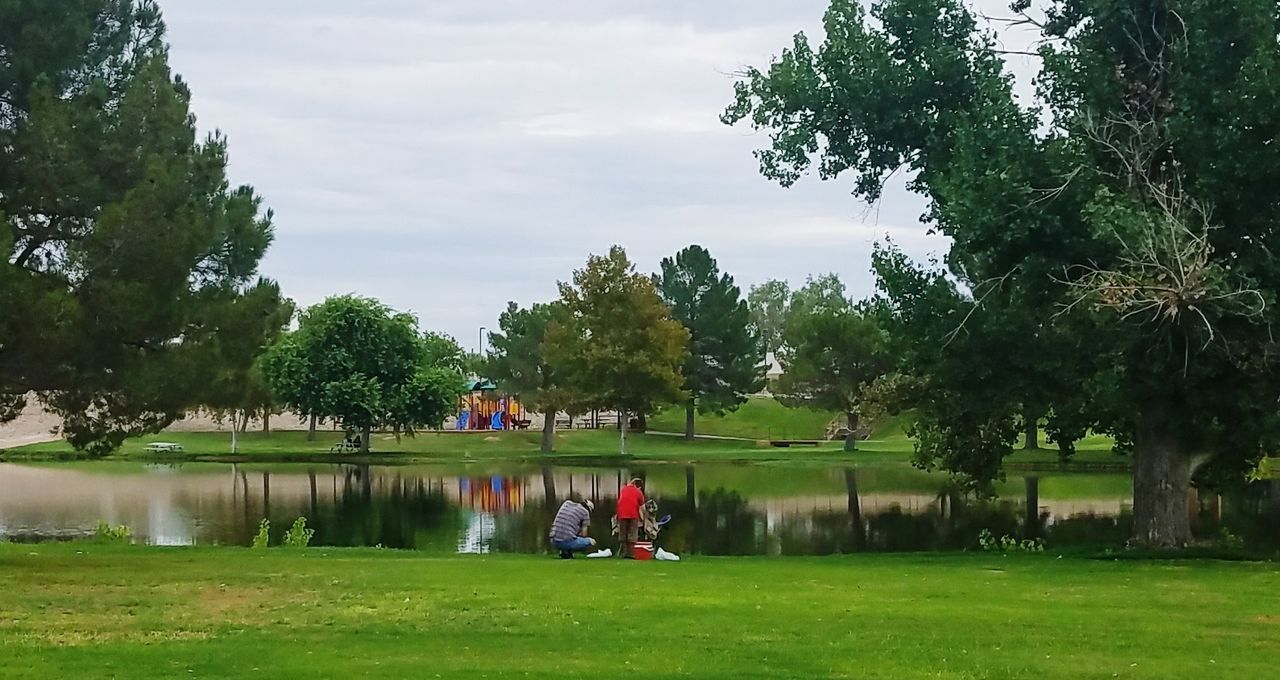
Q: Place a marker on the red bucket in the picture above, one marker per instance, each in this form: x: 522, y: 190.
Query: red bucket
x: 643, y: 550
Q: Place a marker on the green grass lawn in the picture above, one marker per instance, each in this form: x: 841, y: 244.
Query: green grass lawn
x: 600, y: 444
x: 88, y: 611
x: 889, y: 445
x: 758, y: 418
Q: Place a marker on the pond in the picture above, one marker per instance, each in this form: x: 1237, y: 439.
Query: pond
x: 716, y: 509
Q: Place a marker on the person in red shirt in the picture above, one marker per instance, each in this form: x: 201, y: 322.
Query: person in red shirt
x: 630, y: 500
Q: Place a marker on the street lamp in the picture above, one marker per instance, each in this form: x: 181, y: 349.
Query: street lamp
x: 480, y: 346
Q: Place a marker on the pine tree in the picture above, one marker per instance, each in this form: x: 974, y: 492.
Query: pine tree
x: 726, y: 360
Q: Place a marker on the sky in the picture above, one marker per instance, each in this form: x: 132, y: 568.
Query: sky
x: 447, y: 156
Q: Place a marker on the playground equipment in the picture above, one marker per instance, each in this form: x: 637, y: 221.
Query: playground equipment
x: 485, y: 407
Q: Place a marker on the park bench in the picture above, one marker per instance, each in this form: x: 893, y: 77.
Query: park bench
x: 163, y: 447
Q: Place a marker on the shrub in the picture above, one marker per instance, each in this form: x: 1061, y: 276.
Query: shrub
x: 298, y: 535
x: 1229, y: 541
x: 263, y: 538
x: 1006, y: 544
x: 107, y: 533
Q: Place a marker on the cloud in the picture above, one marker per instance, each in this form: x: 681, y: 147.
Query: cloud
x: 448, y: 156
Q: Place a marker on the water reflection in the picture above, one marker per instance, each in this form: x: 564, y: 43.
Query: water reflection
x: 716, y: 509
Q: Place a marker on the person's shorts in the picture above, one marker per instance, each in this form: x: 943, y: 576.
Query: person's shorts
x: 629, y: 530
x: 573, y: 544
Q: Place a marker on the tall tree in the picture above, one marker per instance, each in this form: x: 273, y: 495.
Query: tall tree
x: 616, y: 339
x: 124, y: 253
x: 518, y: 361
x: 768, y: 304
x: 237, y: 389
x: 1117, y: 213
x: 832, y: 352
x: 726, y: 360
x: 354, y: 360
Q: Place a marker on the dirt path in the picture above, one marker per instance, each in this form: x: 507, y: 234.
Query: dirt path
x: 35, y: 426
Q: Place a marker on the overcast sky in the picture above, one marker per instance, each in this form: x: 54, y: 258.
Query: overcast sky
x: 446, y: 156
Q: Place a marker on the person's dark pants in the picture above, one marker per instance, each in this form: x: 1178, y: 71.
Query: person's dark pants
x: 628, y: 534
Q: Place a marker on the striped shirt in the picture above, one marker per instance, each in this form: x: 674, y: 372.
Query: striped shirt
x: 570, y: 520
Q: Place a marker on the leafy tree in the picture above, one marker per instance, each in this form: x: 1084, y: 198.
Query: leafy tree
x: 125, y: 256
x: 1117, y: 214
x: 768, y: 305
x: 726, y: 357
x: 354, y: 360
x: 519, y: 361
x: 237, y: 389
x: 820, y: 294
x: 832, y: 352
x: 616, y: 341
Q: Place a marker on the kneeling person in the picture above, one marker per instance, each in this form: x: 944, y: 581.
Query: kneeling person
x: 569, y: 528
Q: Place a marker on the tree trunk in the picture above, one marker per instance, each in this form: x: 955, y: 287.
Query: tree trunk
x: 690, y: 488
x: 858, y: 533
x: 1032, y: 425
x: 266, y: 494
x: 365, y: 435
x: 851, y: 439
x: 315, y: 501
x: 642, y: 422
x: 689, y: 432
x: 1161, y: 477
x: 234, y: 434
x: 548, y: 432
x: 266, y: 422
x: 549, y: 486
x: 311, y: 429
x: 244, y: 424
x: 622, y: 432
x: 1031, y: 525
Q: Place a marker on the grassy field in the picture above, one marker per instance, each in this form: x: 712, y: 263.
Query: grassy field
x: 450, y: 446
x: 890, y: 447
x: 87, y: 611
x: 759, y: 418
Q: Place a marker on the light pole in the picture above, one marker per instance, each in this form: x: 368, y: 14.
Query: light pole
x: 480, y: 345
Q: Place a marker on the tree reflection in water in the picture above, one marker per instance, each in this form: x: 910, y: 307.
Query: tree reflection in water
x: 716, y: 509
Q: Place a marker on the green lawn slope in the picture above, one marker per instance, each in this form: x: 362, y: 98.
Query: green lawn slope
x: 758, y: 418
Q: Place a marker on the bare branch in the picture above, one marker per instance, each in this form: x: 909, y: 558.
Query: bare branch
x: 992, y: 285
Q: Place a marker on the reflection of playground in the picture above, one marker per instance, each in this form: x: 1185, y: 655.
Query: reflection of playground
x: 441, y: 509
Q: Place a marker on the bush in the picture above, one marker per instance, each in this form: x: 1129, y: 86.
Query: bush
x: 1229, y: 541
x: 1006, y: 544
x: 298, y: 535
x: 111, y: 534
x: 263, y: 538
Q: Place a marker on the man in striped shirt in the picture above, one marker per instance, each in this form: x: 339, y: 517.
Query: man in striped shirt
x: 569, y: 528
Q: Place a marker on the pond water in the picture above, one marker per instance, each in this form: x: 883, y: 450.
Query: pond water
x: 716, y: 509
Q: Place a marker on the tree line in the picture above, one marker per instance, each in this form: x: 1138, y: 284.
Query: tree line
x: 1112, y: 264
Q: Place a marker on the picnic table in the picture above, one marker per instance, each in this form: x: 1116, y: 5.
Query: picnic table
x: 161, y: 447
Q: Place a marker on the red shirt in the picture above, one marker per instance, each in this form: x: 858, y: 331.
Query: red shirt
x: 629, y: 501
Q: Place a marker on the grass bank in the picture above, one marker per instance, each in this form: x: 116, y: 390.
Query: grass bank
x: 90, y: 611
x: 451, y: 446
x: 598, y: 445
x: 758, y: 418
